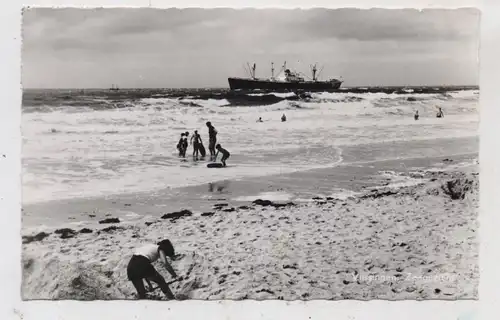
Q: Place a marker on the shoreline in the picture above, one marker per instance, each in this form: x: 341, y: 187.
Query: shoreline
x: 344, y: 178
x: 352, y: 248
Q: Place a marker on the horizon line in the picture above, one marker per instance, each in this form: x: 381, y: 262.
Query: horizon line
x: 193, y: 88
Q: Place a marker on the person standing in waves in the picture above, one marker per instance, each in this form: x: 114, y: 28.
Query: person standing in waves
x: 212, y: 139
x: 180, y: 145
x: 196, y: 142
x: 185, y: 143
x: 440, y: 113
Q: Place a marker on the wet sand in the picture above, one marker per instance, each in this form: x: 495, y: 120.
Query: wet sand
x: 298, y: 186
x: 390, y: 242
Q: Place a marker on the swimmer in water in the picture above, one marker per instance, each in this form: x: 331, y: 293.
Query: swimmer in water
x: 440, y: 113
x: 260, y: 119
x: 283, y: 118
x: 416, y: 116
x: 225, y: 154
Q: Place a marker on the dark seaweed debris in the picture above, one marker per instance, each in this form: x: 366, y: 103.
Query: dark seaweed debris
x: 177, y: 215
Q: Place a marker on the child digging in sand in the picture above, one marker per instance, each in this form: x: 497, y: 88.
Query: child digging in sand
x: 225, y: 154
x: 140, y: 267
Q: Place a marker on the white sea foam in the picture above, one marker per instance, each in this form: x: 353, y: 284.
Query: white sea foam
x: 398, y: 185
x: 343, y: 194
x: 399, y: 180
x: 81, y: 152
x: 209, y: 103
x: 272, y: 196
x: 277, y: 94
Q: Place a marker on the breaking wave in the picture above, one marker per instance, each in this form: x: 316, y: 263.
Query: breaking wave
x: 127, y: 142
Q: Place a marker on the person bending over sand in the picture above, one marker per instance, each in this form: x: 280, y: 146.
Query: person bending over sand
x: 225, y: 154
x: 140, y: 267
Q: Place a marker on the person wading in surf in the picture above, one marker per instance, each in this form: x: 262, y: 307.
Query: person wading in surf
x: 180, y: 145
x: 212, y: 139
x: 440, y: 113
x: 185, y: 143
x: 140, y: 267
x: 196, y: 142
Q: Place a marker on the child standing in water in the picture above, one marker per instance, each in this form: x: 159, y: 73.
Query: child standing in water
x: 185, y: 143
x: 180, y: 145
x: 225, y: 154
x: 416, y: 115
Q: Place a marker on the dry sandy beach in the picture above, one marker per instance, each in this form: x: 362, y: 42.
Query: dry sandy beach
x: 389, y: 242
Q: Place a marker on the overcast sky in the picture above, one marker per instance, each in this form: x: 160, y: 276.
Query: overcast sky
x: 94, y: 48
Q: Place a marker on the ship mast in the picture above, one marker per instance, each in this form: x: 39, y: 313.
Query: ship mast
x: 251, y: 70
x: 272, y: 70
x: 319, y: 73
x: 314, y: 72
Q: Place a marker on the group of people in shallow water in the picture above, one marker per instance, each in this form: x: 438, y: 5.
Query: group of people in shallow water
x: 215, y: 148
x: 439, y: 114
x: 199, y: 149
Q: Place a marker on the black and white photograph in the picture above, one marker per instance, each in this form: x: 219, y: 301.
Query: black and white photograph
x: 250, y: 154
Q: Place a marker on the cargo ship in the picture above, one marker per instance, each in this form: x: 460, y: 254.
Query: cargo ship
x: 287, y: 80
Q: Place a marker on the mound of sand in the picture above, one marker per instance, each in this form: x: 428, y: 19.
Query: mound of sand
x: 56, y: 279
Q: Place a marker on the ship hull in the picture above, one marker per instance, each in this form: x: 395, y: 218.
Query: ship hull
x: 267, y: 85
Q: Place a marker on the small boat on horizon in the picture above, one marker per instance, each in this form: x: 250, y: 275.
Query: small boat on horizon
x: 114, y: 88
x: 292, y: 81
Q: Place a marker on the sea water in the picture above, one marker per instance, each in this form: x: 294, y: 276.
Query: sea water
x: 88, y: 143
